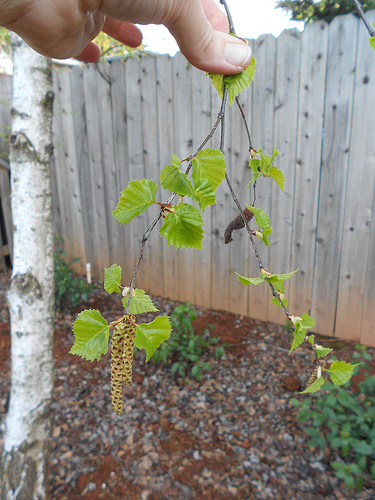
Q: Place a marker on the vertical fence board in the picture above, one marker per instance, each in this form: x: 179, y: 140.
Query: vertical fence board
x: 338, y: 111
x: 109, y: 167
x: 358, y: 256
x: 5, y: 127
x: 240, y: 174
x: 122, y: 249
x: 136, y: 168
x: 202, y: 121
x: 5, y: 118
x: 96, y: 161
x: 67, y: 172
x: 166, y: 129
x: 154, y: 248
x: 309, y: 139
x: 82, y: 161
x: 183, y: 145
x: 220, y: 218
x: 286, y: 122
x: 74, y: 238
x: 262, y: 130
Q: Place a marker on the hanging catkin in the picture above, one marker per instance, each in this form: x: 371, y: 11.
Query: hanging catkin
x: 122, y: 352
x: 128, y: 352
x: 313, y: 377
x: 237, y: 223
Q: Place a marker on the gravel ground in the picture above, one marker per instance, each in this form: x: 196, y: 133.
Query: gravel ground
x: 234, y: 434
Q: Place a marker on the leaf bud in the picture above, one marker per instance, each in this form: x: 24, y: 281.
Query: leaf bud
x: 258, y: 234
x: 295, y: 319
x: 318, y: 347
x: 126, y: 291
x: 263, y: 271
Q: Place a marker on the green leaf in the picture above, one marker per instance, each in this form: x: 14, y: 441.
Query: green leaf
x: 204, y: 194
x: 209, y: 164
x: 349, y: 481
x: 183, y: 228
x: 175, y: 181
x: 263, y: 221
x: 362, y: 448
x: 135, y: 199
x: 149, y: 336
x: 315, y: 386
x: 307, y: 321
x: 373, y: 470
x: 372, y: 42
x: 112, y: 279
x: 277, y: 278
x: 299, y: 337
x: 340, y: 468
x: 251, y: 281
x: 277, y: 176
x: 294, y: 402
x: 237, y: 83
x: 218, y: 83
x: 321, y: 351
x: 254, y: 164
x: 340, y: 372
x: 91, y: 333
x: 263, y: 166
x: 140, y: 303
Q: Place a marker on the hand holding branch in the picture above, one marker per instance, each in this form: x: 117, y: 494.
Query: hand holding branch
x: 66, y: 28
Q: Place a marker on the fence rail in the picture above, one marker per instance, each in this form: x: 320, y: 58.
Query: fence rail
x: 313, y: 97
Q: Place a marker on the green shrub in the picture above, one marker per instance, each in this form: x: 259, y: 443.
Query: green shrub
x: 70, y: 288
x: 185, y: 347
x: 344, y: 421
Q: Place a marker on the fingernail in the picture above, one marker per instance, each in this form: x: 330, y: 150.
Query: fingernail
x: 237, y: 54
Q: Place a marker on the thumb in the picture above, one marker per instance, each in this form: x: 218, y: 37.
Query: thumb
x: 204, y: 47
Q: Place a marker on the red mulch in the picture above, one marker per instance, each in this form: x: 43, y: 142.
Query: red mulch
x: 234, y: 434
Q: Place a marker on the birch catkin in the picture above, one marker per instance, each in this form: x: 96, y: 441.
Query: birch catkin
x: 122, y: 353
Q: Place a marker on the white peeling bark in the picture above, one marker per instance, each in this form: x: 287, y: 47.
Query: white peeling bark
x: 28, y: 422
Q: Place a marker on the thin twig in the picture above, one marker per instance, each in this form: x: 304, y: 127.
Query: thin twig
x: 361, y: 14
x: 235, y: 199
x: 245, y: 123
x: 229, y: 16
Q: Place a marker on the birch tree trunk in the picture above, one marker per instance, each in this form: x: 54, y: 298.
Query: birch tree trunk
x: 25, y: 457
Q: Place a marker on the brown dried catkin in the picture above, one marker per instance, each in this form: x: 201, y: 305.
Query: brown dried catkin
x: 237, y: 223
x: 122, y: 352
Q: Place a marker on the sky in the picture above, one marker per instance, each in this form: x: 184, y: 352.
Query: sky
x: 251, y: 19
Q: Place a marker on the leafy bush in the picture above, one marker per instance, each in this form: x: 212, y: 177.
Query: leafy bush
x: 70, y: 288
x: 185, y: 347
x: 344, y: 421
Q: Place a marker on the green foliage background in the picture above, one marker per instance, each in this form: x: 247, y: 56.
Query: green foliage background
x: 309, y: 11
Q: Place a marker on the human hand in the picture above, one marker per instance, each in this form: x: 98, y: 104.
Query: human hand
x: 65, y: 28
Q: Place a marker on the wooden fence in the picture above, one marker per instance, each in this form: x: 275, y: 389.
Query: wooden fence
x: 6, y: 234
x: 313, y: 97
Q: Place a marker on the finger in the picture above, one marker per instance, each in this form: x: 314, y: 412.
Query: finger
x: 90, y: 54
x: 206, y: 48
x: 215, y: 16
x: 124, y: 32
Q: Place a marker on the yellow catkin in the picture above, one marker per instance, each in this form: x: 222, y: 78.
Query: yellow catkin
x: 117, y: 367
x: 128, y: 352
x: 122, y: 352
x: 313, y: 377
